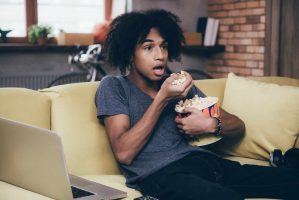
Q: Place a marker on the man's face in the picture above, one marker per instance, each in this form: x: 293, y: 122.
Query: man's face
x: 151, y: 56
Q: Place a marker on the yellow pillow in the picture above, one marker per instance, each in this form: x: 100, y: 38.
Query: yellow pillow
x: 73, y: 117
x: 25, y: 105
x: 270, y: 113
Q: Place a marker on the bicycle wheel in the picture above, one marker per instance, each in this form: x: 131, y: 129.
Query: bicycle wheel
x: 74, y: 77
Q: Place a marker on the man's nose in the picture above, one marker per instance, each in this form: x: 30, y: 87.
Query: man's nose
x: 159, y: 54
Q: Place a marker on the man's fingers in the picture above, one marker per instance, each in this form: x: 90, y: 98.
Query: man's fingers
x: 188, y: 76
x: 185, y: 88
x: 190, y: 85
x: 178, y: 120
x: 181, y: 131
x: 190, y: 110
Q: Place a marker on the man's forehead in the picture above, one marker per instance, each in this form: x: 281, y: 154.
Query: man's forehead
x: 150, y: 40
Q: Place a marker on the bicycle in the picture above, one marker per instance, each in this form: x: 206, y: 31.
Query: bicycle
x: 89, y: 63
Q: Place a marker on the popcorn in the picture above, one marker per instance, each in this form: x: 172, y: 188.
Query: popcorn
x: 180, y: 79
x: 208, y: 105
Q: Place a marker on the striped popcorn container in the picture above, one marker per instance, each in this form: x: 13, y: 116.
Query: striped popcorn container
x: 208, y: 105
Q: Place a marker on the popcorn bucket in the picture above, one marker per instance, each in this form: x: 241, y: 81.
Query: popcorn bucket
x: 212, y: 111
x: 207, y: 105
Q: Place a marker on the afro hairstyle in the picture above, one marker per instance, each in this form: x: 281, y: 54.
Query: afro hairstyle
x: 130, y: 29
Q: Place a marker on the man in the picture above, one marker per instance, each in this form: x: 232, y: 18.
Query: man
x: 147, y: 138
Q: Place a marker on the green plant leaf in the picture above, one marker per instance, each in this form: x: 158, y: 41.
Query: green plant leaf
x: 36, y: 31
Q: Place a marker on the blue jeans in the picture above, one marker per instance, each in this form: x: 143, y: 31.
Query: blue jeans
x: 205, y: 176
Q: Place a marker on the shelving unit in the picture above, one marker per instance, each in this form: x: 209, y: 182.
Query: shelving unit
x: 73, y: 48
x: 30, y: 48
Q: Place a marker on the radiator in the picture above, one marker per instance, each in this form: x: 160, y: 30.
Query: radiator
x: 29, y: 81
x: 36, y: 82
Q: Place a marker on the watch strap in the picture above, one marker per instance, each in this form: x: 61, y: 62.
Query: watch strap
x: 218, y: 130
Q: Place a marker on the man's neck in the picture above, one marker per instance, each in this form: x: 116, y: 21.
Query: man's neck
x: 147, y: 86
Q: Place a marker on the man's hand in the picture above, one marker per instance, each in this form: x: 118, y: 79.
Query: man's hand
x: 196, y: 123
x: 170, y: 91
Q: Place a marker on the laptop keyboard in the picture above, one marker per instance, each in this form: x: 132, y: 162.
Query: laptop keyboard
x: 77, y: 193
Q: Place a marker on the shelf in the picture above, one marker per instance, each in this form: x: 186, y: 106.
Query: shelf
x: 203, y: 49
x: 29, y: 48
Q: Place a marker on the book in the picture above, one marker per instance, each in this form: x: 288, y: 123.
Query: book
x: 201, y: 26
x: 214, y: 32
x: 208, y: 27
x: 209, y: 32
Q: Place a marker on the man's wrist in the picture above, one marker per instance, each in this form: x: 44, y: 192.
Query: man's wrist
x: 160, y: 100
x: 218, y: 130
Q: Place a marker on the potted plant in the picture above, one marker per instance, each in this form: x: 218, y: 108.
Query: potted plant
x: 39, y: 33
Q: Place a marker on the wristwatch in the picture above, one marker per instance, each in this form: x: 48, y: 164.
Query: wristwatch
x: 218, y: 131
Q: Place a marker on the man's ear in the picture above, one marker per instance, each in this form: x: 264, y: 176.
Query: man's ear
x: 132, y: 62
x: 131, y: 65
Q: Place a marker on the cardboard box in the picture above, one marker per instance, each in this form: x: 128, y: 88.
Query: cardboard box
x: 193, y: 38
x: 75, y: 39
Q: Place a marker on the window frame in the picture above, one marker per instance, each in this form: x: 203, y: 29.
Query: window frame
x: 31, y: 17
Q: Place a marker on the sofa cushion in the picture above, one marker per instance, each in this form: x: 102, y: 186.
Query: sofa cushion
x: 115, y: 181
x: 73, y: 117
x: 25, y: 105
x: 12, y: 192
x: 270, y: 113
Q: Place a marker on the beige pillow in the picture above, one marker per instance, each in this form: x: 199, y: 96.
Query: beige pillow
x: 270, y: 113
x: 73, y: 117
x: 25, y: 105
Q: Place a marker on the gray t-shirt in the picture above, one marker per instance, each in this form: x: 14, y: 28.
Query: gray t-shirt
x: 118, y: 95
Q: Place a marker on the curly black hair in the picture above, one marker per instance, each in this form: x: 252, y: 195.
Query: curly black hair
x: 130, y: 29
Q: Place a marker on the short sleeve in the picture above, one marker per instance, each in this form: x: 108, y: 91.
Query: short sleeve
x: 111, y: 98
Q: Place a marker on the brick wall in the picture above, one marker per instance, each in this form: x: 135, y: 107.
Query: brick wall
x: 242, y: 32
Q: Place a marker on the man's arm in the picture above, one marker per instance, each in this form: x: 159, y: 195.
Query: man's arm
x: 231, y: 125
x: 197, y: 123
x: 127, y: 142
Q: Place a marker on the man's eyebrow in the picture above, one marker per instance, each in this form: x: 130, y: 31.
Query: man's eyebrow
x: 150, y: 40
x: 146, y: 40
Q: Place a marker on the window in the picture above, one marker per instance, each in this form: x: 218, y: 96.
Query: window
x: 77, y: 16
x: 12, y: 17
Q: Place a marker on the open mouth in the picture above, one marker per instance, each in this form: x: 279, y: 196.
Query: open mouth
x: 159, y: 70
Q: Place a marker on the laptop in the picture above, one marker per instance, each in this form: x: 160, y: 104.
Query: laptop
x: 32, y: 158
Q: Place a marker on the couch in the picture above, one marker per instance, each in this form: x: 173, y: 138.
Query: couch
x: 70, y: 111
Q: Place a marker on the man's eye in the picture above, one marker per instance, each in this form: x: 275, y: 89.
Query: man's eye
x: 148, y: 48
x: 164, y: 46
